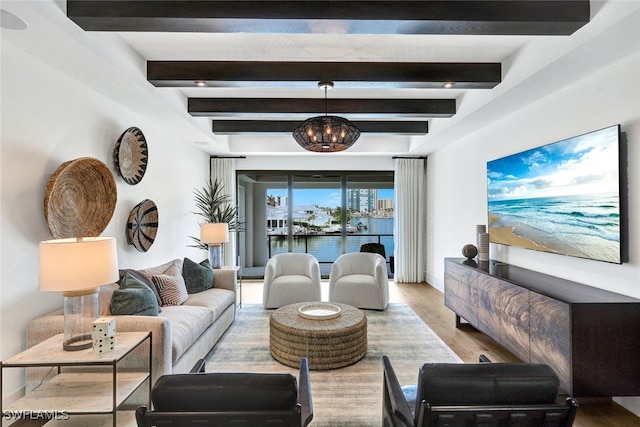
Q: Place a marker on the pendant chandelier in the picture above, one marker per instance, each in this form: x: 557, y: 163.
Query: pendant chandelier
x: 326, y: 134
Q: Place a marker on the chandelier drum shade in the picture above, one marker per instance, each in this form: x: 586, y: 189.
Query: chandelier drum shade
x: 326, y: 133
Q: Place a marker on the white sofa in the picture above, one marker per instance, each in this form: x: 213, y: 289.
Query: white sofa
x: 181, y: 334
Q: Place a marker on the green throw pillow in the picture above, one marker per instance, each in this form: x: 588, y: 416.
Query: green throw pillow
x: 197, y: 277
x: 134, y: 298
x: 144, y: 279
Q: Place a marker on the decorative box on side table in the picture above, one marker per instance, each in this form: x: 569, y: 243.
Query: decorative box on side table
x: 71, y: 393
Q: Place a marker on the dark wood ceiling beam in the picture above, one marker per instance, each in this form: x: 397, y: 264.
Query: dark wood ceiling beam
x: 379, y: 74
x: 295, y: 107
x: 231, y: 127
x: 497, y: 17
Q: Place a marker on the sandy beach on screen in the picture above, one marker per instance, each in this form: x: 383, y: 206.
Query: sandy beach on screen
x: 506, y: 236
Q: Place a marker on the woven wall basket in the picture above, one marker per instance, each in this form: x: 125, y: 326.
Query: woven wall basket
x: 80, y: 199
x: 130, y: 155
x: 142, y: 225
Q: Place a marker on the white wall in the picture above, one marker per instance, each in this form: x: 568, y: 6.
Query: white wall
x: 48, y: 117
x: 457, y: 178
x: 318, y: 162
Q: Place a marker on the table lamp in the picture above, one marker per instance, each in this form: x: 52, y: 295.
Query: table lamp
x: 77, y: 267
x: 214, y: 234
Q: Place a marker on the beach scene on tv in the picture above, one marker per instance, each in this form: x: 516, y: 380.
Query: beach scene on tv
x: 562, y: 198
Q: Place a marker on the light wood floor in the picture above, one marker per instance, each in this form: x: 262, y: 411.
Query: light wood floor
x: 428, y: 303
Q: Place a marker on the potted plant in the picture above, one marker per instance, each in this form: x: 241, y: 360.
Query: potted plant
x: 214, y: 205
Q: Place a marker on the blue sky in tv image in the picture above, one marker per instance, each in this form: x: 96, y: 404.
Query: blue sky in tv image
x: 563, y: 196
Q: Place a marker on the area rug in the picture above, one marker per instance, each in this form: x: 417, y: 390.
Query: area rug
x: 350, y: 396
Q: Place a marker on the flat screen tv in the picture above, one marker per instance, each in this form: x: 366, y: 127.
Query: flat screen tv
x: 562, y: 198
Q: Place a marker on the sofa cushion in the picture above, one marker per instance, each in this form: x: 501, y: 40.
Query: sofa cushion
x: 133, y: 298
x: 188, y: 323
x: 197, y: 277
x: 143, y: 279
x: 356, y: 279
x: 172, y: 291
x: 216, y: 300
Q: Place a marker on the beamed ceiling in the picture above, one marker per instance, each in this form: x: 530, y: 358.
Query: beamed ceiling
x: 486, y: 17
x: 403, y: 71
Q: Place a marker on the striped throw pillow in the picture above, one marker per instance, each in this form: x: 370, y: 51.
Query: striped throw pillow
x: 172, y: 291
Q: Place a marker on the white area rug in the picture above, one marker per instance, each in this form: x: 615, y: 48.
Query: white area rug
x: 350, y: 396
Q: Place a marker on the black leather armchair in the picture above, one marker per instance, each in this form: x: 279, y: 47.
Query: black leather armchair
x: 229, y: 399
x: 482, y: 394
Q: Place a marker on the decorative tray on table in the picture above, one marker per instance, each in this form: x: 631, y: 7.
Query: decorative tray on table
x: 319, y: 311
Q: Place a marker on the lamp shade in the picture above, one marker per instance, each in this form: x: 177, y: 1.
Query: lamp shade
x: 77, y: 263
x: 214, y: 233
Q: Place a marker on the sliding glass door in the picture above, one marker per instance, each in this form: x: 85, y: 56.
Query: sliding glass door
x: 370, y: 209
x: 325, y: 214
x: 317, y: 202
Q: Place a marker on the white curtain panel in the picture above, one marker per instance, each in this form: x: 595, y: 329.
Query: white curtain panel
x: 410, y: 220
x: 223, y: 169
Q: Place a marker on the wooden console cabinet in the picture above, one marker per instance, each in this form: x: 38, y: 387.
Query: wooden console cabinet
x: 589, y: 336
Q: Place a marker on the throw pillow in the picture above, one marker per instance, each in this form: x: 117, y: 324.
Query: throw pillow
x: 197, y: 277
x: 171, y: 268
x: 133, y: 298
x: 143, y: 279
x: 172, y: 291
x: 166, y: 268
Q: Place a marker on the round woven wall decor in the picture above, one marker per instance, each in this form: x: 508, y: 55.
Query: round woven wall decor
x: 142, y: 225
x: 80, y: 199
x: 130, y: 155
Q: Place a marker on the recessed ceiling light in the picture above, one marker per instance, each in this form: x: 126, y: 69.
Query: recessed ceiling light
x: 201, y: 83
x: 448, y: 85
x: 10, y: 21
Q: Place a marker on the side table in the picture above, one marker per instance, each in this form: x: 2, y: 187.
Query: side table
x: 69, y: 393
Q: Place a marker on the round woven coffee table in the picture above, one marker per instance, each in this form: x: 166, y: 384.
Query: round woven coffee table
x: 327, y: 344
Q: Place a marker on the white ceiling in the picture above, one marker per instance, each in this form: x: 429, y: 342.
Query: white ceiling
x: 532, y: 66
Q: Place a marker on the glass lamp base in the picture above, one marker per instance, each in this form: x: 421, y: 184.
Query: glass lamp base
x: 215, y: 256
x: 80, y: 310
x: 80, y: 342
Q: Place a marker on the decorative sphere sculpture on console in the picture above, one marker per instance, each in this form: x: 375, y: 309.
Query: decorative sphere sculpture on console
x: 469, y: 251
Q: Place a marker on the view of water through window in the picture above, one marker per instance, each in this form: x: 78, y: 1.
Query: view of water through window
x: 317, y: 220
x: 322, y: 213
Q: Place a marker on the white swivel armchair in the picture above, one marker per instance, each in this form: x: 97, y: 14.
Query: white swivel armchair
x: 360, y: 279
x: 291, y: 278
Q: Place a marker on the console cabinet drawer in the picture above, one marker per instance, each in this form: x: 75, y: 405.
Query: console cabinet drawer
x: 589, y: 336
x: 550, y: 335
x: 489, y: 312
x: 513, y: 303
x: 461, y: 295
